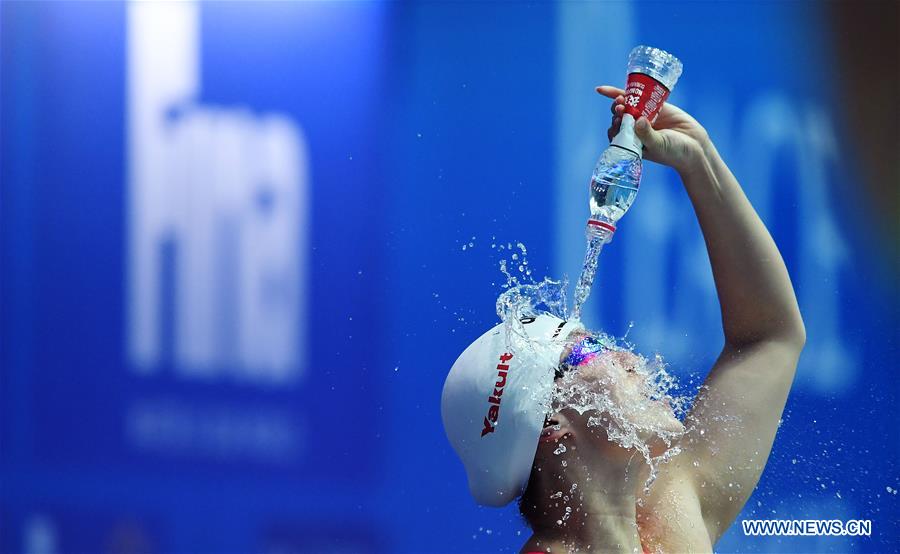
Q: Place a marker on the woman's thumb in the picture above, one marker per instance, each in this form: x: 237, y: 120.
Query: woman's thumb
x: 653, y: 140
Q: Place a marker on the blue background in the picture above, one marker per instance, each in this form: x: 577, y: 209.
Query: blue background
x: 429, y: 126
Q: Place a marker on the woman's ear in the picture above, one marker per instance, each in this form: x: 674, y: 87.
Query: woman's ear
x: 556, y: 426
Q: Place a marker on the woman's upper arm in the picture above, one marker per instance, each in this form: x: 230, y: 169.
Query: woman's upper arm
x: 732, y: 425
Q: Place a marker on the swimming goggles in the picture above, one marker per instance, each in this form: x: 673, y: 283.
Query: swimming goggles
x: 582, y: 353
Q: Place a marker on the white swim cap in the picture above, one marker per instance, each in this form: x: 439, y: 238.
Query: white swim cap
x: 494, y: 403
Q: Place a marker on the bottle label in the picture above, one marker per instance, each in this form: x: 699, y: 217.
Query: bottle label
x: 644, y: 96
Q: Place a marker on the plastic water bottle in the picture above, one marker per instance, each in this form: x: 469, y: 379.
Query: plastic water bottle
x: 652, y: 73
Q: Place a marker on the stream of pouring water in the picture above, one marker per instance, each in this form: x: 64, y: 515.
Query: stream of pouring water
x: 588, y: 272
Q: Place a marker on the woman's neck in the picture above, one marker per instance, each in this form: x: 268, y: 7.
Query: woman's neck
x: 601, y: 503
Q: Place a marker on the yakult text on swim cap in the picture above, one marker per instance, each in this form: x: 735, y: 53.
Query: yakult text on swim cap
x: 493, y: 414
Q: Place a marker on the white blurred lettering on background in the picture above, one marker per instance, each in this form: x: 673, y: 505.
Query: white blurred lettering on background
x: 216, y: 214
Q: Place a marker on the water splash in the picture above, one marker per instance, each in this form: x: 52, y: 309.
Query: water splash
x: 631, y: 399
x: 522, y: 300
x: 524, y: 297
x: 634, y: 421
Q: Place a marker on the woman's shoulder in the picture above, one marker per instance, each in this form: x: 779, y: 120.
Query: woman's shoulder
x: 669, y: 516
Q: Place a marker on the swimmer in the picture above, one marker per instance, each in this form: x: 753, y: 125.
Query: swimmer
x: 495, y: 410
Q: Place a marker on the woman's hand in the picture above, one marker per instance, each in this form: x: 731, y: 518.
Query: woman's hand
x: 675, y: 139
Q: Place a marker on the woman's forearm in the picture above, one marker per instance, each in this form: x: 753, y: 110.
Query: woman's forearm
x: 752, y: 282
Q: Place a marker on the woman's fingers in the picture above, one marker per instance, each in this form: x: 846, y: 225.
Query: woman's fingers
x: 610, y: 91
x: 617, y: 108
x: 614, y: 127
x: 653, y: 140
